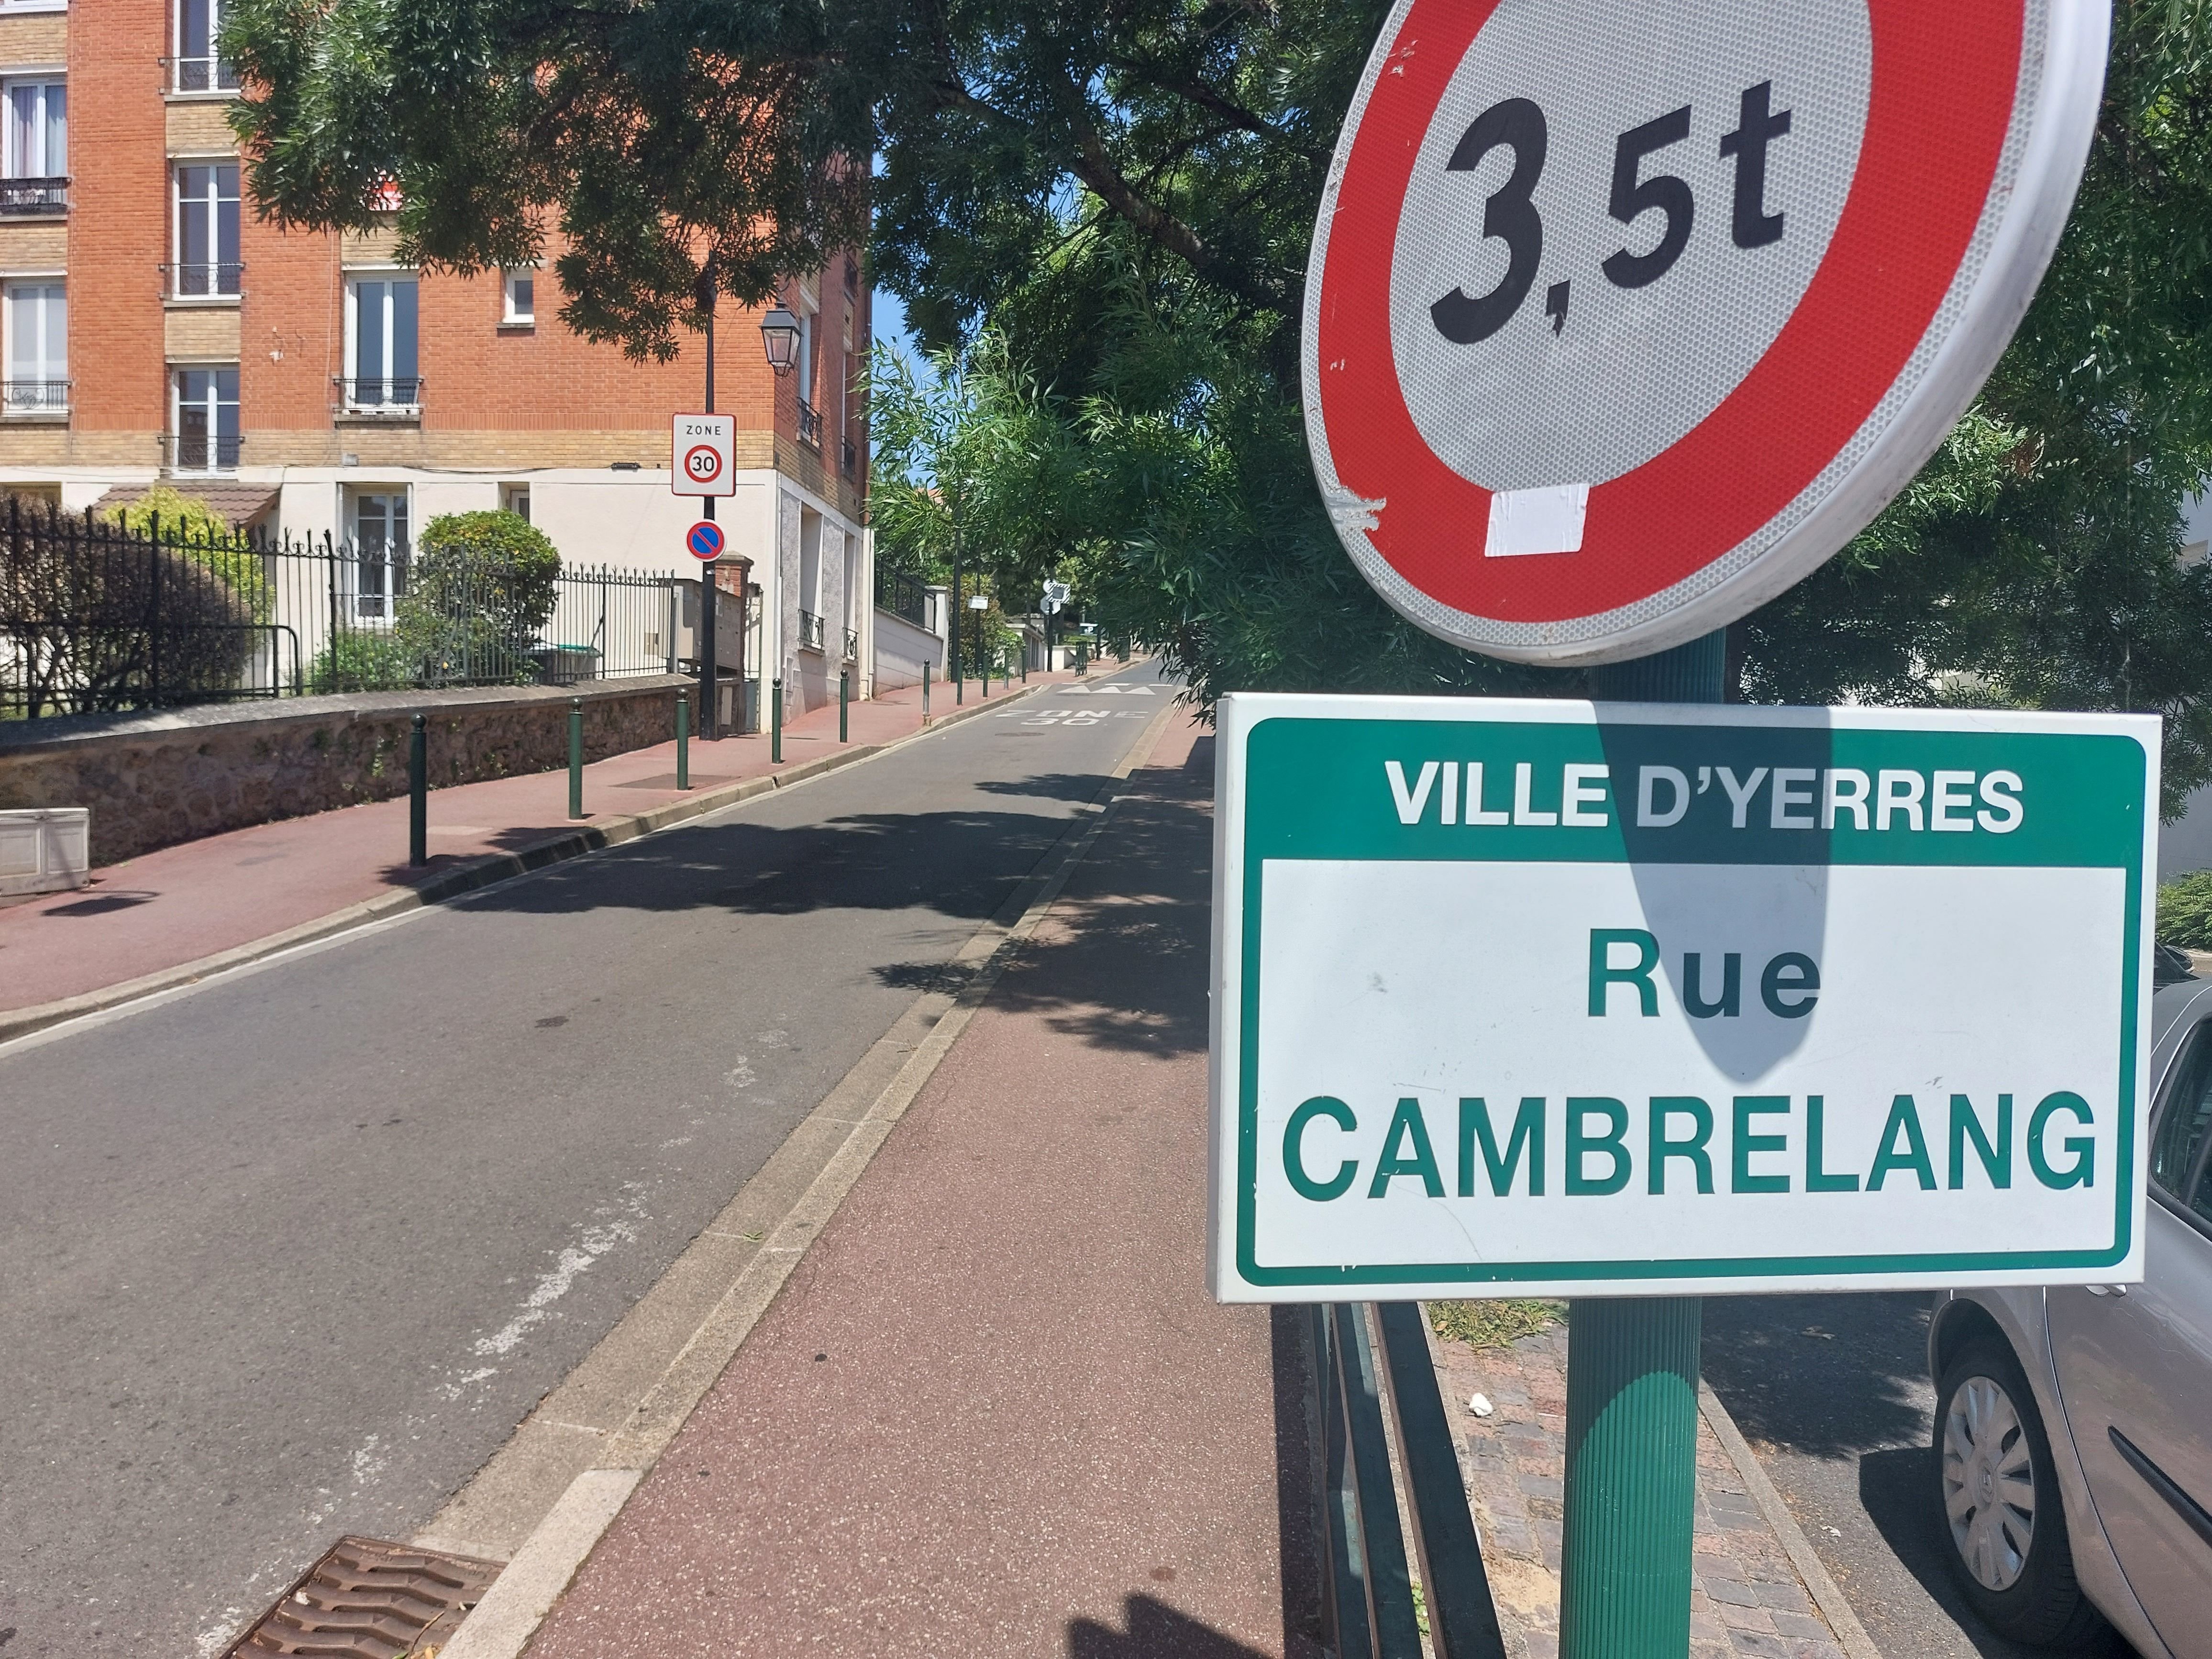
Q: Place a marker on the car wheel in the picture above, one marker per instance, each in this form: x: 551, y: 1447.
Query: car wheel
x: 2002, y: 1510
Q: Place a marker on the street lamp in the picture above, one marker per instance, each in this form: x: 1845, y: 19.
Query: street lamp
x: 779, y: 337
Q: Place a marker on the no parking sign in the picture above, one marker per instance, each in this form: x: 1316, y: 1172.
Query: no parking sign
x: 1620, y: 320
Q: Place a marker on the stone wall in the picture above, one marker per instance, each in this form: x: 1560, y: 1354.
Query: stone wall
x: 153, y: 779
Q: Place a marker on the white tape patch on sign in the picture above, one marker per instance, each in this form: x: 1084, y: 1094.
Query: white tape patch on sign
x: 1620, y: 320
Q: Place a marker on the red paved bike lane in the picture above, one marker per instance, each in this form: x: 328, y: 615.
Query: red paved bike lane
x: 993, y: 1411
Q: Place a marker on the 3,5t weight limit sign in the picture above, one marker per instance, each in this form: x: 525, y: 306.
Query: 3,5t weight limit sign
x: 1619, y: 320
x: 1510, y: 213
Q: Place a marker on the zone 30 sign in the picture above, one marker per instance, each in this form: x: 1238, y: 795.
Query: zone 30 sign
x: 1556, y: 998
x: 1619, y: 319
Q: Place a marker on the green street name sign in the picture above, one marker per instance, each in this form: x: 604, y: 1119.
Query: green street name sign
x: 1519, y: 997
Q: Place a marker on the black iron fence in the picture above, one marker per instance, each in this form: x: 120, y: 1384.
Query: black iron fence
x: 902, y: 596
x: 95, y: 619
x: 1371, y: 1605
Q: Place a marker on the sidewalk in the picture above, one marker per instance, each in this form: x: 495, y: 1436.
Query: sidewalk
x: 993, y: 1412
x: 187, y: 903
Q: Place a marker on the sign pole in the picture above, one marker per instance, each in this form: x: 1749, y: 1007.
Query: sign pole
x: 710, y: 713
x: 1632, y: 1365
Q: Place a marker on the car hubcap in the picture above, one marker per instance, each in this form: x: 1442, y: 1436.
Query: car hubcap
x: 1989, y: 1484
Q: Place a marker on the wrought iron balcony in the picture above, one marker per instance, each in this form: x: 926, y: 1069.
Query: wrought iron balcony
x: 198, y: 451
x: 399, y: 397
x: 852, y: 645
x: 205, y: 74
x: 852, y: 458
x: 28, y: 198
x: 810, y: 425
x: 35, y: 397
x: 810, y: 631
x: 202, y: 280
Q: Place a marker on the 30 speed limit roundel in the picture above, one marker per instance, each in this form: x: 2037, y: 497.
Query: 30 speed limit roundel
x: 1621, y: 319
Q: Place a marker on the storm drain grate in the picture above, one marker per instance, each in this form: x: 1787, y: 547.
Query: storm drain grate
x: 370, y: 1600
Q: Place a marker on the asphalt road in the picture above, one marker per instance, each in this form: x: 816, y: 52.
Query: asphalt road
x: 1834, y: 1395
x: 289, y: 1255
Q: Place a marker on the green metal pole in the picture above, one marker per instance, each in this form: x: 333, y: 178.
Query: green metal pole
x: 575, y: 758
x: 925, y: 694
x: 775, y: 723
x: 844, y: 696
x: 683, y: 740
x: 1632, y: 1377
x: 418, y: 792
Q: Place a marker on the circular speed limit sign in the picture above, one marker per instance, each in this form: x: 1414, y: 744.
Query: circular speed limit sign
x: 703, y: 464
x: 1619, y: 320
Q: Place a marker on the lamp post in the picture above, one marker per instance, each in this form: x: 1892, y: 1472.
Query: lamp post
x: 779, y: 340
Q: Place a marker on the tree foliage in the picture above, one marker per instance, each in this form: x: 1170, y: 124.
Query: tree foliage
x: 1123, y: 197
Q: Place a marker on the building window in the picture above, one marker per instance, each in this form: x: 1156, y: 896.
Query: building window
x: 34, y: 149
x: 376, y: 545
x: 199, y: 67
x: 207, y: 230
x: 37, y: 348
x: 382, y: 371
x: 206, y: 424
x: 521, y: 297
x: 515, y: 498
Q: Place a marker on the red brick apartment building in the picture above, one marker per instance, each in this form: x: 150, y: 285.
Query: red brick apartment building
x: 152, y: 328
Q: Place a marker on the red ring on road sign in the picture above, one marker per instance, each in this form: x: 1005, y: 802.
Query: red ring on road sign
x: 712, y: 454
x: 1944, y: 81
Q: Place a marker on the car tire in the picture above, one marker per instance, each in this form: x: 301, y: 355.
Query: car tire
x: 2018, y: 1574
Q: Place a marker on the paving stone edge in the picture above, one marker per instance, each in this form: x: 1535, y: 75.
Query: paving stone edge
x: 1826, y: 1595
x: 478, y: 872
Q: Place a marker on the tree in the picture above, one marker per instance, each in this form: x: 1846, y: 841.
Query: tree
x: 478, y: 596
x: 1125, y: 193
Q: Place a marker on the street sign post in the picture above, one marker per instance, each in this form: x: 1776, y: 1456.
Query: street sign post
x: 704, y: 541
x: 1550, y: 997
x: 1620, y: 320
x: 703, y: 454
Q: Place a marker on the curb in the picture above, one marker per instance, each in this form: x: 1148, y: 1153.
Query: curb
x: 505, y: 1621
x: 1826, y: 1595
x: 478, y: 872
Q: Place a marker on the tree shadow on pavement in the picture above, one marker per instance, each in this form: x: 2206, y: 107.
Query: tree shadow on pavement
x: 1153, y: 1630
x: 1827, y: 1376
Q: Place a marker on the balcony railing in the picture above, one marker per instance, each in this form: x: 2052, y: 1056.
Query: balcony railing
x: 810, y: 425
x: 35, y: 397
x: 399, y: 396
x: 200, y: 280
x: 24, y: 197
x: 205, y: 74
x: 810, y: 631
x: 196, y: 451
x: 852, y: 458
x: 852, y: 645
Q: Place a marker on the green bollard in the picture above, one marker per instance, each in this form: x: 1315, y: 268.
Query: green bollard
x: 575, y: 758
x: 775, y: 724
x: 844, y: 696
x: 418, y: 793
x: 684, y: 740
x: 925, y: 694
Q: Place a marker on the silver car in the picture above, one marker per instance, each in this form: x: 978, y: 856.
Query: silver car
x: 2073, y: 1426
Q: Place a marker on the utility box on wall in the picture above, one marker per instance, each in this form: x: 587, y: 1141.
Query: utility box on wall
x: 45, y: 849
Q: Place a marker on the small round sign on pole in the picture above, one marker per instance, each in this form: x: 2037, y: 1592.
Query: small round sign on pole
x: 704, y: 541
x: 1620, y: 320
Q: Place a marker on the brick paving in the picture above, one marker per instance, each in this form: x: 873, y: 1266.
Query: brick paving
x: 1745, y: 1598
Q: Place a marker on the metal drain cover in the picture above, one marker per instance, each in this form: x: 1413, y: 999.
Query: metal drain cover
x: 371, y: 1600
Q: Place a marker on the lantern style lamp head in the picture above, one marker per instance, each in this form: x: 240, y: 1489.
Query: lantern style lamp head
x: 780, y: 334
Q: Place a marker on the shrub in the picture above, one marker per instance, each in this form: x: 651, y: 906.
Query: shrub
x: 478, y: 596
x: 203, y: 536
x: 2184, y: 911
x: 361, y: 662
